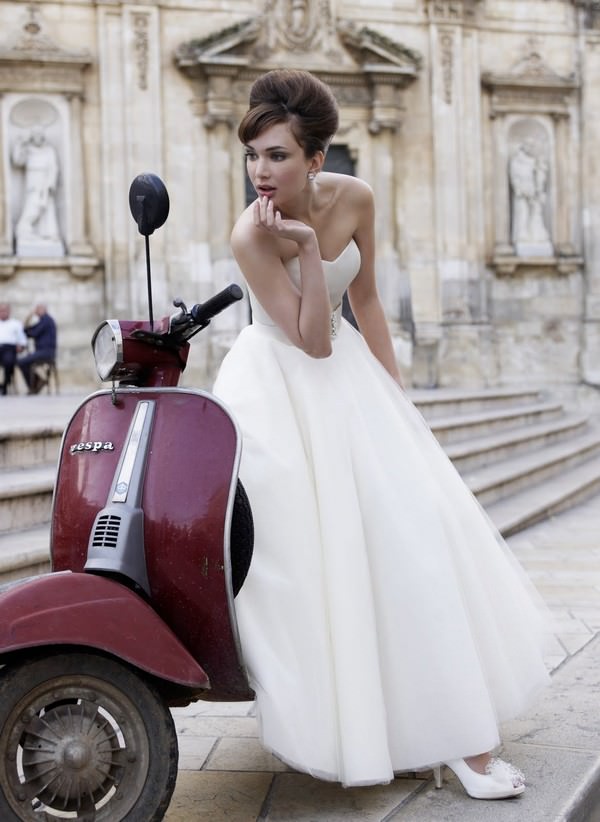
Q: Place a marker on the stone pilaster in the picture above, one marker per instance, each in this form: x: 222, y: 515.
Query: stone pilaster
x: 131, y: 117
x: 6, y: 246
x: 590, y: 116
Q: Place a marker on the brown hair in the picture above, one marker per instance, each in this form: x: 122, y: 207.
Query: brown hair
x: 295, y: 97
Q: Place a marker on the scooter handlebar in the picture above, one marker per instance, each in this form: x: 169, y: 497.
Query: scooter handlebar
x: 202, y: 313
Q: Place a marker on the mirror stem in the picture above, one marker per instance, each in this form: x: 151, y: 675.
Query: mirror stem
x: 149, y: 280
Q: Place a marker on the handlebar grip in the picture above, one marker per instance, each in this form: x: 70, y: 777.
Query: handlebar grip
x: 203, y: 312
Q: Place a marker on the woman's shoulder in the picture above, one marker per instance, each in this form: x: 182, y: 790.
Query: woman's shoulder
x: 352, y: 189
x: 346, y: 181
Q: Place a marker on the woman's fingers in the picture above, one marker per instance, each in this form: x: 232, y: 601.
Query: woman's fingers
x: 264, y: 213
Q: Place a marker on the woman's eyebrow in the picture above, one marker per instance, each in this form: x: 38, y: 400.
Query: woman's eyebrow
x: 269, y: 148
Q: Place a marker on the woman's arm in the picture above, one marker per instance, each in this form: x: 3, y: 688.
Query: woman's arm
x: 364, y: 298
x: 303, y: 314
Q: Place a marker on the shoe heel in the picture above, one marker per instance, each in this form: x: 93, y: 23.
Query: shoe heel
x: 437, y: 776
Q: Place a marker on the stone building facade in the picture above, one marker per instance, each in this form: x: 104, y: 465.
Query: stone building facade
x: 477, y: 123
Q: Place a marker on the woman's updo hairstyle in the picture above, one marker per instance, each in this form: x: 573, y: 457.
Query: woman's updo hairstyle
x: 295, y: 97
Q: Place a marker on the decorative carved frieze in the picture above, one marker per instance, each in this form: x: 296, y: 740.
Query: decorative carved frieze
x: 302, y: 33
x: 141, y: 22
x: 447, y: 62
x: 452, y: 11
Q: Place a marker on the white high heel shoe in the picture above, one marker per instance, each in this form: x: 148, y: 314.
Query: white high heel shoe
x: 501, y: 780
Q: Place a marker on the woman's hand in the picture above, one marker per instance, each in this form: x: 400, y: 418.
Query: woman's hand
x: 268, y: 217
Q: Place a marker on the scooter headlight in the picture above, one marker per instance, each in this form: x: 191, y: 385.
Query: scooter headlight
x: 107, y: 345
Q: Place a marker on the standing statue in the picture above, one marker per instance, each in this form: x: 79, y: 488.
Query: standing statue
x: 37, y: 225
x: 528, y: 173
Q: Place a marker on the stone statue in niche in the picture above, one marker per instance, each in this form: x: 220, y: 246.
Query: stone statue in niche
x: 299, y: 16
x: 36, y: 230
x: 528, y: 175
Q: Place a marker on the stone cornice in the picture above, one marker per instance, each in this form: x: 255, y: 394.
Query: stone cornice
x: 530, y: 86
x: 32, y: 51
x: 238, y: 47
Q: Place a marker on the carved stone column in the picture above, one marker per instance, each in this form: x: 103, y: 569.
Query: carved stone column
x: 590, y: 189
x: 502, y: 246
x: 6, y: 245
x: 77, y: 242
x: 563, y: 239
x: 457, y: 197
x: 385, y: 122
x: 219, y: 119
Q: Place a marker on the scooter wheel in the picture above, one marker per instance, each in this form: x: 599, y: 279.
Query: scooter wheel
x: 83, y: 736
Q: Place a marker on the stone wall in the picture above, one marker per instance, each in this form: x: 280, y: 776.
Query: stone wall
x: 475, y: 121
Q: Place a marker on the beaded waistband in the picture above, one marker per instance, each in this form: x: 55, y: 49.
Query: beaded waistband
x: 276, y: 332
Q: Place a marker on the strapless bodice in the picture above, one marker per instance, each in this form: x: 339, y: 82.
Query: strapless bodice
x: 339, y: 273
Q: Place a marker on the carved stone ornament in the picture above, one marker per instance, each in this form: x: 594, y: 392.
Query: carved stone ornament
x: 452, y: 11
x: 591, y: 12
x: 303, y: 34
x: 33, y: 53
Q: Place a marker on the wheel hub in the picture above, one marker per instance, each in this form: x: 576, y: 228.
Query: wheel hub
x: 77, y: 755
x: 71, y: 754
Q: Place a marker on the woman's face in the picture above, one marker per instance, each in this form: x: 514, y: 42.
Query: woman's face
x: 276, y: 164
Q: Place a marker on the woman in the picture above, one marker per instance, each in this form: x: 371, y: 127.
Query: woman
x: 384, y: 623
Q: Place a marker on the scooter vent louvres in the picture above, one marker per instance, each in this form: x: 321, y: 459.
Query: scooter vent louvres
x: 106, y: 533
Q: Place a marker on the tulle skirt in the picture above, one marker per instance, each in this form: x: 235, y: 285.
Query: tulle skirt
x: 384, y: 622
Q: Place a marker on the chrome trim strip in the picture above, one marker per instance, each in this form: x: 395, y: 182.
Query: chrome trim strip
x: 123, y: 479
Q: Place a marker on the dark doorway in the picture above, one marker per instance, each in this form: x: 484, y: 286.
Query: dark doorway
x: 338, y: 159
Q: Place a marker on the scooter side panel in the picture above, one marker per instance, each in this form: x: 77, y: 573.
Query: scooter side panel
x: 189, y: 475
x: 191, y: 464
x: 94, y: 612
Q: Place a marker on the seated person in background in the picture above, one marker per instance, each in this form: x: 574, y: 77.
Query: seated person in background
x: 43, y: 332
x: 12, y: 340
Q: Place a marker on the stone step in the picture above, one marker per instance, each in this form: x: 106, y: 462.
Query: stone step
x: 493, y: 482
x: 479, y: 451
x: 26, y: 497
x: 558, y: 493
x: 29, y: 444
x: 442, y: 402
x: 466, y: 426
x: 24, y: 553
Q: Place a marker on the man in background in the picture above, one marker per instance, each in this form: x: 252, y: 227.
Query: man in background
x: 43, y: 333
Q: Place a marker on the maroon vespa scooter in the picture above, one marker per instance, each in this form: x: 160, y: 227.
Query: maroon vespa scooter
x: 151, y: 539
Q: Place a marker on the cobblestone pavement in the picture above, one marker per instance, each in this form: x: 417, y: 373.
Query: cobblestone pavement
x: 226, y: 775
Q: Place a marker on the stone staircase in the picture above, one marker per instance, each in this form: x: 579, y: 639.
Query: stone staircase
x: 522, y: 453
x: 30, y: 437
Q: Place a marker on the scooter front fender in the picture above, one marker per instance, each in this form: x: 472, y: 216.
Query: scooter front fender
x: 87, y: 610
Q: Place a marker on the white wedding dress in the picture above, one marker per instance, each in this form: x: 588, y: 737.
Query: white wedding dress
x: 384, y: 623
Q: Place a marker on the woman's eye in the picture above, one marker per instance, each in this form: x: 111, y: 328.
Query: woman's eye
x: 249, y: 155
x: 278, y: 156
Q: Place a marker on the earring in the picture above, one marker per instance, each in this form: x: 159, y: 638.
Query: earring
x: 311, y: 175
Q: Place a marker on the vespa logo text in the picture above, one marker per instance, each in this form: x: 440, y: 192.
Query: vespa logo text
x: 91, y: 446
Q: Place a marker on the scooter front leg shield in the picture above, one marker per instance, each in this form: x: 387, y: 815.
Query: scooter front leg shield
x: 95, y: 612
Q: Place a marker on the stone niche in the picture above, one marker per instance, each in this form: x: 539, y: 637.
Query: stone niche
x: 42, y: 187
x: 533, y: 168
x: 536, y: 280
